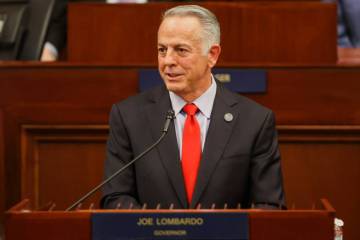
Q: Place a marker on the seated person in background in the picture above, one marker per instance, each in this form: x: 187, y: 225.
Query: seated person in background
x: 221, y: 148
x: 349, y: 23
x: 56, y: 35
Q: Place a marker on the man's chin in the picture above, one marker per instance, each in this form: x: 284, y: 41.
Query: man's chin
x: 173, y: 87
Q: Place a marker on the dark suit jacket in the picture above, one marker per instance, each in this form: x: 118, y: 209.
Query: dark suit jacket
x: 240, y: 161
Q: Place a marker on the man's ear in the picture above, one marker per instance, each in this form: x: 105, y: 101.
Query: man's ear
x: 213, y: 55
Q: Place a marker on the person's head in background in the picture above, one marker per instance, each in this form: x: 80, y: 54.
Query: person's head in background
x: 188, y: 48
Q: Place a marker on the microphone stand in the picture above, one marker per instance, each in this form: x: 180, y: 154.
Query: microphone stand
x: 169, y: 117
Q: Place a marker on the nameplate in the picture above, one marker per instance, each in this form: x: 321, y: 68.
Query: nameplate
x: 146, y: 226
x: 237, y: 80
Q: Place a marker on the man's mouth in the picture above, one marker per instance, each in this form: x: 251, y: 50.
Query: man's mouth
x: 173, y: 75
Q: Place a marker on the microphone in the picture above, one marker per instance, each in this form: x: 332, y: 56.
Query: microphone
x: 170, y: 115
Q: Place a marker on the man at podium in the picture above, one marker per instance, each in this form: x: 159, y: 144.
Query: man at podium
x: 221, y: 149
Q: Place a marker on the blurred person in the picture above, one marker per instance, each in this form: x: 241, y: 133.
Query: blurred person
x: 348, y: 22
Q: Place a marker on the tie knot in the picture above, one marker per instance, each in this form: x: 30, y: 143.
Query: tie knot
x: 190, y: 109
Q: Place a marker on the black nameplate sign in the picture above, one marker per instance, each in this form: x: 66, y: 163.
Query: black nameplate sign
x: 146, y: 226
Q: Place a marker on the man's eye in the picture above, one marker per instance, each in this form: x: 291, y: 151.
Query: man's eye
x: 161, y: 50
x: 182, y: 51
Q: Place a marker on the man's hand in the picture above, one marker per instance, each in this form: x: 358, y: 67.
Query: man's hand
x: 49, y: 53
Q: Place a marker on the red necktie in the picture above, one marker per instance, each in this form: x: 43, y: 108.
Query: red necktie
x: 191, y: 149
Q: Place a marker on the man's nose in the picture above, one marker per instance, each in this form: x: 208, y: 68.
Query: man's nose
x: 169, y: 58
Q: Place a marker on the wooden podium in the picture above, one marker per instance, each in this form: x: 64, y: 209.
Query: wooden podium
x: 23, y: 223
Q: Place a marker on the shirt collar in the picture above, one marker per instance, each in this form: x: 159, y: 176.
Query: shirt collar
x: 205, y: 102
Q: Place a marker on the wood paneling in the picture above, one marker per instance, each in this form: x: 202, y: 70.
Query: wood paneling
x: 30, y: 94
x: 313, y: 96
x: 61, y: 163
x: 44, y: 225
x: 280, y: 32
x: 65, y: 85
x: 321, y: 161
x: 280, y: 225
x: 2, y: 170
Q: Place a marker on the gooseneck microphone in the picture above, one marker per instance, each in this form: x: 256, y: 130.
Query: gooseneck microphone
x: 170, y: 115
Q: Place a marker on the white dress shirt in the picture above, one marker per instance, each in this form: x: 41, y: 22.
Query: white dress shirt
x: 204, y: 103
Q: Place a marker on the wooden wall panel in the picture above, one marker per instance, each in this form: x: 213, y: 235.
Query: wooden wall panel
x: 323, y: 161
x: 61, y: 163
x: 280, y: 32
x: 65, y: 85
x: 20, y: 117
x: 60, y: 94
x: 2, y: 169
x: 313, y: 95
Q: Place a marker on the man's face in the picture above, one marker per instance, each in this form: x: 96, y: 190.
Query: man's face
x: 183, y: 66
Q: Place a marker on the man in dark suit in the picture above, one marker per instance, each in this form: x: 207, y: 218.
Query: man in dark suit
x: 221, y: 149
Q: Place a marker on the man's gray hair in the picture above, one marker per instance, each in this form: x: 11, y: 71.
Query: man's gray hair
x: 208, y: 21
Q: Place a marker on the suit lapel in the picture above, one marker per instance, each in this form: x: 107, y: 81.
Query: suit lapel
x: 216, y: 139
x: 168, y: 148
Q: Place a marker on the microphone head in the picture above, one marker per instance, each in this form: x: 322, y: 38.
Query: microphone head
x: 170, y: 114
